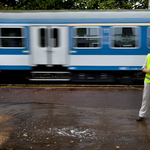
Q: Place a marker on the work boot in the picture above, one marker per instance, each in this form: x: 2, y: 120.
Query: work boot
x: 140, y: 118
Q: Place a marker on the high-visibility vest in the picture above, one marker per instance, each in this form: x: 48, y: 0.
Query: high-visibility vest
x: 147, y: 76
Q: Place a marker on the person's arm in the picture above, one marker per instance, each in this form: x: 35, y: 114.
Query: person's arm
x: 144, y: 67
x: 146, y: 70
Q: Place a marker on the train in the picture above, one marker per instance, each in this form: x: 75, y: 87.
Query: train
x: 96, y: 46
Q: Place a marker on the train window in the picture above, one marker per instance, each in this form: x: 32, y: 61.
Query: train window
x: 54, y: 37
x: 125, y: 37
x: 11, y: 37
x: 86, y: 37
x: 42, y: 37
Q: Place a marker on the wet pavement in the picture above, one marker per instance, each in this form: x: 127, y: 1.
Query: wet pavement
x: 51, y: 118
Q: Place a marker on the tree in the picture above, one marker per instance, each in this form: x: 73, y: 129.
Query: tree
x: 72, y: 4
x: 111, y: 4
x: 37, y: 4
x: 4, y: 4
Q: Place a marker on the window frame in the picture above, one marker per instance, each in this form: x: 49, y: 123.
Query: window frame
x: 138, y: 36
x: 99, y: 37
x: 23, y: 37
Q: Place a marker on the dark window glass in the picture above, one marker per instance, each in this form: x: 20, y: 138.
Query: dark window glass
x: 125, y: 37
x: 55, y: 37
x: 80, y: 32
x: 12, y: 42
x: 11, y: 32
x: 12, y: 37
x: 42, y: 37
x: 87, y: 42
x: 86, y: 37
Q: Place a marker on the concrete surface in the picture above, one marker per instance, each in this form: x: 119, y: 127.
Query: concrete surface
x: 100, y: 118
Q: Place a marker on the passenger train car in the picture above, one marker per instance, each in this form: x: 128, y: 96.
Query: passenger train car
x: 81, y: 46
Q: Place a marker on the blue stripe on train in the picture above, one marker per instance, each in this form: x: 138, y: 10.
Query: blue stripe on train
x: 106, y: 68
x: 15, y: 68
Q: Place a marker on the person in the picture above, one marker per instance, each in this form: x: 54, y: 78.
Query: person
x: 146, y: 91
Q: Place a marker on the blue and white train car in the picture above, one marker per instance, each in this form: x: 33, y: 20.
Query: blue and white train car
x: 91, y: 45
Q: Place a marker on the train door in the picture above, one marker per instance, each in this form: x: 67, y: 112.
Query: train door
x: 49, y: 45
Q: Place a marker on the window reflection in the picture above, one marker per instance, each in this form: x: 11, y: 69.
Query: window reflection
x: 125, y: 37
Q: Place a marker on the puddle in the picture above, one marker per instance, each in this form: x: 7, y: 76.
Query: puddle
x: 59, y: 127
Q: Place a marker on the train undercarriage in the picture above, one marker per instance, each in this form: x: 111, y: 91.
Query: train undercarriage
x: 59, y: 74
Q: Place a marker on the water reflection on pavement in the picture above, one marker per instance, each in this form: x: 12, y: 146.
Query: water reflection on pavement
x: 41, y: 126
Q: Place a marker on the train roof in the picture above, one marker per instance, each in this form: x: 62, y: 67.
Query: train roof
x: 60, y: 14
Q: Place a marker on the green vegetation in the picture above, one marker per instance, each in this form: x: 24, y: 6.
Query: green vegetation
x: 72, y: 4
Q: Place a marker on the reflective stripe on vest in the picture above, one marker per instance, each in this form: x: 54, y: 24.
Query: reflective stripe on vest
x: 147, y: 76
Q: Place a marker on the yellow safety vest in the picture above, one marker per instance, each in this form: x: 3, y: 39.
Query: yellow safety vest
x: 147, y: 76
